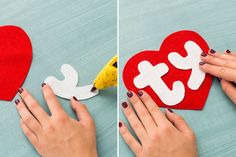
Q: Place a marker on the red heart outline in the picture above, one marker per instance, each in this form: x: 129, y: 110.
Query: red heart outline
x: 15, y: 60
x: 194, y: 99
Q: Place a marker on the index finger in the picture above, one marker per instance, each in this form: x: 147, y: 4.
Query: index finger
x: 220, y: 72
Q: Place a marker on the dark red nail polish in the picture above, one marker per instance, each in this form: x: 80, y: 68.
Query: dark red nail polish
x: 93, y: 89
x: 75, y: 98
x: 20, y: 90
x: 228, y: 51
x: 212, y: 51
x: 17, y: 101
x: 129, y: 94
x: 120, y: 124
x: 170, y: 110
x: 203, y: 54
x: 43, y: 84
x: 140, y: 93
x: 201, y: 63
x: 124, y: 104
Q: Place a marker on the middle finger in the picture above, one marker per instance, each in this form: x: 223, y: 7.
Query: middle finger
x: 135, y: 123
x: 27, y: 117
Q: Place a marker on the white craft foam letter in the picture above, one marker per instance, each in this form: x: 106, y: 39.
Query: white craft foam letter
x: 67, y: 88
x: 151, y: 76
x: 190, y: 62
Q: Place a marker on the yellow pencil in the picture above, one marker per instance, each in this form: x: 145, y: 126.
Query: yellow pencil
x: 107, y: 77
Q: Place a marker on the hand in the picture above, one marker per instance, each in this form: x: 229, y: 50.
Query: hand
x: 222, y: 66
x: 160, y: 135
x: 57, y: 135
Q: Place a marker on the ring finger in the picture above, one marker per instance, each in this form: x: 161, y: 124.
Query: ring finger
x: 27, y: 117
x: 134, y: 121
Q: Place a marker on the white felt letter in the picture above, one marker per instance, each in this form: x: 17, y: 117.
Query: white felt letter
x: 190, y: 62
x: 151, y: 76
x: 67, y: 88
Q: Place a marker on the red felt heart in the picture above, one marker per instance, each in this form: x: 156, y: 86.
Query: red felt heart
x: 193, y: 99
x: 15, y: 60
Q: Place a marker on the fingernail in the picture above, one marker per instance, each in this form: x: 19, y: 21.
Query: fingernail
x: 120, y: 124
x: 212, y: 51
x: 93, y: 89
x: 43, y: 84
x: 203, y: 54
x: 228, y: 51
x: 170, y: 110
x: 129, y: 94
x: 124, y: 104
x: 20, y: 90
x: 17, y: 101
x: 140, y: 93
x: 201, y: 63
x: 75, y: 98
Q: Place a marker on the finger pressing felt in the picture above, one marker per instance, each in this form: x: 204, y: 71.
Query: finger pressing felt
x: 220, y: 72
x: 212, y: 51
x: 218, y: 61
x: 229, y: 89
x: 33, y: 105
x: 52, y: 101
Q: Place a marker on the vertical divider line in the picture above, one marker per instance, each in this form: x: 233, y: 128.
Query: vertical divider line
x: 118, y: 72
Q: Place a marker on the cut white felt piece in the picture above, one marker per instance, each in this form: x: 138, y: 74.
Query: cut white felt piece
x: 67, y: 88
x: 191, y: 61
x: 151, y: 76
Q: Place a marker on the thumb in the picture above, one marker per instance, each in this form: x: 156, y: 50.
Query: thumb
x: 178, y: 121
x: 229, y: 90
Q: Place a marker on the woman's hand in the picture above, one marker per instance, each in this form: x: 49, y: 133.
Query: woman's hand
x: 222, y: 66
x: 57, y: 135
x: 160, y: 135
